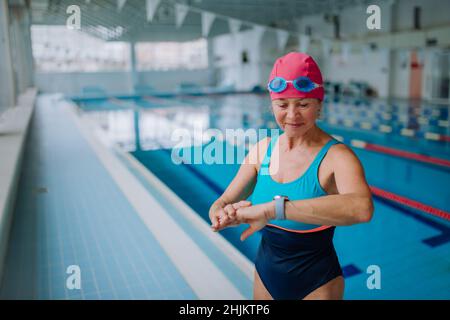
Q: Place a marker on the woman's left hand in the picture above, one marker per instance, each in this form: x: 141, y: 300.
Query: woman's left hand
x: 256, y: 216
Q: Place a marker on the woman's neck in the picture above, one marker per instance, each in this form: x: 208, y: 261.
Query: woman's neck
x: 311, y: 137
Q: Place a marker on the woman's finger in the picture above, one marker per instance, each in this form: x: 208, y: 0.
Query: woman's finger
x: 247, y: 232
x: 214, y: 222
x: 230, y: 211
x: 245, y: 203
x: 236, y: 205
x: 228, y: 208
x: 223, y: 219
x: 219, y: 217
x: 241, y: 204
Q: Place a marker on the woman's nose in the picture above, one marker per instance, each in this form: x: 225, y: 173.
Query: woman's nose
x: 293, y: 112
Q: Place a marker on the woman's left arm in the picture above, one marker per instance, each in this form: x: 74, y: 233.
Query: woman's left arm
x: 353, y: 203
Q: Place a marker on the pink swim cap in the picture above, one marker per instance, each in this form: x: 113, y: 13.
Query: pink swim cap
x: 290, y: 67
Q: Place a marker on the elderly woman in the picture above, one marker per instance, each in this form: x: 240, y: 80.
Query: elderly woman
x: 306, y: 184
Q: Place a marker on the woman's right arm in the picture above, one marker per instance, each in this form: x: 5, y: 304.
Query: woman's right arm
x: 240, y: 188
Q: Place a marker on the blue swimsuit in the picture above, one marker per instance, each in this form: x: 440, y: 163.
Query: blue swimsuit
x: 294, y: 258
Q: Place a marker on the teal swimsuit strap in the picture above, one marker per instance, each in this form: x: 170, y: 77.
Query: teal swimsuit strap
x: 323, y: 152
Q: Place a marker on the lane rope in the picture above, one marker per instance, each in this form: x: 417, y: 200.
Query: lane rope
x: 410, y: 203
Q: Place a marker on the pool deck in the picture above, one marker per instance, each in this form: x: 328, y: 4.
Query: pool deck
x: 83, y: 203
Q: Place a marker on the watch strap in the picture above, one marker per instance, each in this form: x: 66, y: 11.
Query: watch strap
x: 279, y: 208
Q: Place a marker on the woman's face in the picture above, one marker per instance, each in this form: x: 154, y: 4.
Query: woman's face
x: 296, y: 116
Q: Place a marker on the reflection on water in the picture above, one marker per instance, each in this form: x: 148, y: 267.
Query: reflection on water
x: 159, y: 127
x: 152, y: 123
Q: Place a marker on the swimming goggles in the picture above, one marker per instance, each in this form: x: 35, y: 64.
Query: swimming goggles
x: 302, y: 84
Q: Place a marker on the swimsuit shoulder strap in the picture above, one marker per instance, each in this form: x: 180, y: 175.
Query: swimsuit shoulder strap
x: 266, y: 161
x: 323, y: 152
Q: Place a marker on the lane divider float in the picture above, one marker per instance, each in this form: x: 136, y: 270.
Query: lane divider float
x: 410, y: 203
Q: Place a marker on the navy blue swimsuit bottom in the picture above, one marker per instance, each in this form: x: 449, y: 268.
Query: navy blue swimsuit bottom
x: 292, y: 265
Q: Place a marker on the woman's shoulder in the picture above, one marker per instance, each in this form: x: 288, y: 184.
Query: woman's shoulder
x: 341, y: 153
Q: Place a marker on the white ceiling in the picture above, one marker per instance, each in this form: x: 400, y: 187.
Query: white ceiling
x: 133, y: 22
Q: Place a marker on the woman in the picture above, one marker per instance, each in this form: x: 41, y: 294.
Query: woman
x: 306, y: 184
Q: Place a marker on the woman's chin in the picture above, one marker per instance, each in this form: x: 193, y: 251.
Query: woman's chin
x: 295, y: 130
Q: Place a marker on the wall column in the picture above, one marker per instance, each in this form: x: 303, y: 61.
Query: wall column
x: 7, y: 89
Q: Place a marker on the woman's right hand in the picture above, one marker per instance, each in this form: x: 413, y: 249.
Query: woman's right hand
x: 226, y: 216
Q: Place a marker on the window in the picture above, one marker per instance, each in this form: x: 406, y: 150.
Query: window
x: 58, y: 49
x: 172, y: 55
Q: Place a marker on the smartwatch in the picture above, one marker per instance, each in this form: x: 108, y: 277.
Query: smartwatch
x: 279, y: 207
